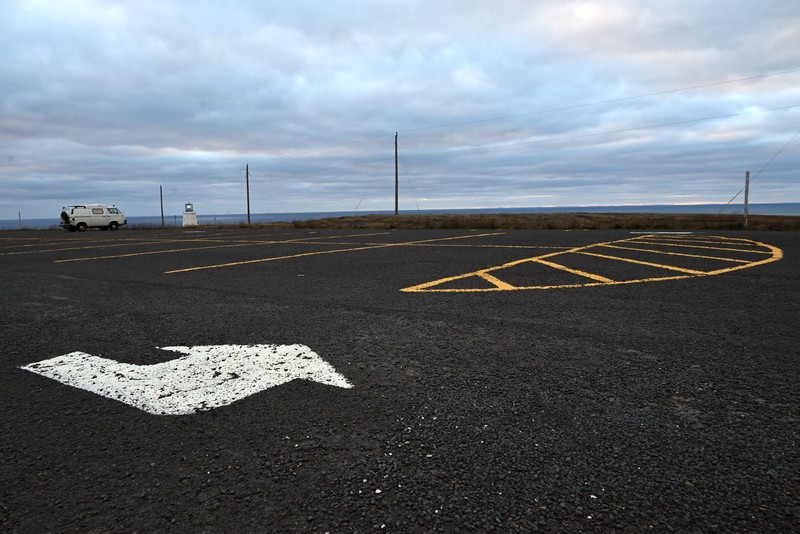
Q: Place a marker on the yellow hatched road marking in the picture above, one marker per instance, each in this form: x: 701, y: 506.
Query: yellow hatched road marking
x: 777, y: 254
x: 696, y: 239
x: 647, y: 263
x: 499, y: 284
x: 575, y: 271
x: 653, y: 251
x: 683, y: 245
x: 532, y: 288
x: 480, y: 273
x: 713, y: 244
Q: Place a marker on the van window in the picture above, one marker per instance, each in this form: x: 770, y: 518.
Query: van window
x: 113, y: 210
x: 97, y: 211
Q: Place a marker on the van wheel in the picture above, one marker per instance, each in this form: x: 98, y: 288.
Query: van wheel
x: 113, y: 226
x: 82, y: 227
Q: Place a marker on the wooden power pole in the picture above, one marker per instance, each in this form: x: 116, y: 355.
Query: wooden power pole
x: 396, y: 181
x: 247, y: 176
x: 746, y: 197
x: 161, y: 194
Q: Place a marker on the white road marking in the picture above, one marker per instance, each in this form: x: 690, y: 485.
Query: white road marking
x: 207, y: 377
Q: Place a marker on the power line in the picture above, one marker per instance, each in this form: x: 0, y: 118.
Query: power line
x: 601, y: 102
x: 383, y: 162
x: 570, y: 137
x: 777, y: 153
x: 789, y: 142
x: 551, y: 110
x: 606, y: 132
x: 410, y: 185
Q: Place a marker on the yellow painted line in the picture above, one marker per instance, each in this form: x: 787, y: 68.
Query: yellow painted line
x: 30, y: 245
x: 698, y: 239
x: 499, y: 284
x: 308, y: 240
x: 560, y: 267
x: 450, y: 245
x: 480, y: 273
x: 262, y: 260
x: 705, y: 248
x: 190, y: 249
x: 777, y: 254
x: 533, y: 288
x: 653, y: 251
x: 321, y: 252
x: 434, y: 286
x: 85, y: 247
x: 647, y: 263
x: 148, y: 253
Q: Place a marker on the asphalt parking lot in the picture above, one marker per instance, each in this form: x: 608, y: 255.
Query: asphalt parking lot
x: 339, y: 381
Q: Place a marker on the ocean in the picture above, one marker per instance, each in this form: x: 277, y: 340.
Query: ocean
x: 789, y: 208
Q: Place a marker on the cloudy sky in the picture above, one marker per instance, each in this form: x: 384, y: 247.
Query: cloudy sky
x: 501, y: 103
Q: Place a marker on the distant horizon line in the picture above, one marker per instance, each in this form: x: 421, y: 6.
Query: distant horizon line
x: 496, y: 209
x: 549, y: 207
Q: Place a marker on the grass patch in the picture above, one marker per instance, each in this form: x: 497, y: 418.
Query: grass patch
x: 529, y: 221
x: 554, y: 221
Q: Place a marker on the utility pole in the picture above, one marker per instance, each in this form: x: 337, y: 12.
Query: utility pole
x: 161, y: 194
x: 247, y: 175
x: 396, y: 180
x: 746, y: 197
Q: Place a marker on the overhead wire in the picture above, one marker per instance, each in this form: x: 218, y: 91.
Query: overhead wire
x: 601, y: 102
x: 553, y: 110
x: 789, y: 142
x: 410, y: 185
x: 605, y: 132
x: 566, y: 108
x: 383, y: 162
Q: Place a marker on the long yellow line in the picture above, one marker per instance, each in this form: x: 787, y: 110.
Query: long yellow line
x: 652, y: 251
x: 704, y: 247
x: 416, y: 289
x: 85, y: 247
x: 201, y: 240
x: 149, y: 253
x: 560, y: 267
x: 647, y: 263
x: 320, y: 252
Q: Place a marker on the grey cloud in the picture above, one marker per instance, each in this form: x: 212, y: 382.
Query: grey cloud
x: 497, y: 104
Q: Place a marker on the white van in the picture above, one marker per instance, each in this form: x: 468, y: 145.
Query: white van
x: 91, y: 216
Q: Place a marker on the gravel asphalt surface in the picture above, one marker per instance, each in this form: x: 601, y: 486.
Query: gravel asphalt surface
x: 664, y: 405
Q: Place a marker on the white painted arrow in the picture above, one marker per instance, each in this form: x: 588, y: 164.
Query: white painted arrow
x: 207, y: 377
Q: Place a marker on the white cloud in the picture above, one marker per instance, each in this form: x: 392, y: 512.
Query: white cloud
x: 499, y: 103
